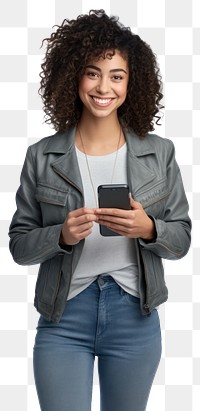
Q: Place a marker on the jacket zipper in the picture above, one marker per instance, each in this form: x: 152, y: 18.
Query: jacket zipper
x: 154, y: 202
x: 147, y: 309
x: 168, y: 249
x: 58, y: 284
x: 139, y: 256
x: 56, y: 293
x: 146, y: 305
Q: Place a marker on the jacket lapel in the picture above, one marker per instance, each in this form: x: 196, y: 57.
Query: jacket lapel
x: 66, y: 165
x: 139, y: 174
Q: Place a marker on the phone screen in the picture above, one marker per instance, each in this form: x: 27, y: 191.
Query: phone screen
x: 113, y: 196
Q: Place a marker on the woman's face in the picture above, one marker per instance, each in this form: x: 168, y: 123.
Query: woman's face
x: 103, y: 86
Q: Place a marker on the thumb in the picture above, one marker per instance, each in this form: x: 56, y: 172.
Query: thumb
x: 134, y: 204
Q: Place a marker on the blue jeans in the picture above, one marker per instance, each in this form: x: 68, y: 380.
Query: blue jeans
x: 103, y: 321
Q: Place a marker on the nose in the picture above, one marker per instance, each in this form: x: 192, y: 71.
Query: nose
x: 103, y: 85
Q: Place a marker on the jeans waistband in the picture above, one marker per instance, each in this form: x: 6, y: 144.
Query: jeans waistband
x: 105, y: 281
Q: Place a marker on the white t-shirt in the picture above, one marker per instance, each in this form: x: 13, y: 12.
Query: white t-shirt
x: 115, y: 255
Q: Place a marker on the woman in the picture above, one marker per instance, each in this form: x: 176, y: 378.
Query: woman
x: 97, y: 295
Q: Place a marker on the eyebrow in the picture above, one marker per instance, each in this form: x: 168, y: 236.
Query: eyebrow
x: 111, y: 71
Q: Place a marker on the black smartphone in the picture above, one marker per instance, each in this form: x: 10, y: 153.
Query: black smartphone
x: 113, y: 196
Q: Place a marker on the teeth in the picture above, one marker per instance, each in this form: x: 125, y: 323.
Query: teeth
x: 102, y: 100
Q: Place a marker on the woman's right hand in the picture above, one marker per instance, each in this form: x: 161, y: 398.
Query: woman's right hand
x: 77, y: 225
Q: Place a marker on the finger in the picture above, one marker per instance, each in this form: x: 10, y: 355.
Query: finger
x: 81, y: 211
x: 81, y: 231
x: 82, y: 219
x: 119, y: 224
x: 116, y: 212
x: 124, y: 231
x: 124, y: 222
x: 85, y: 227
x: 135, y: 205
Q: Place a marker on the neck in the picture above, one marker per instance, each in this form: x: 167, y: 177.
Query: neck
x: 99, y: 128
x: 100, y: 136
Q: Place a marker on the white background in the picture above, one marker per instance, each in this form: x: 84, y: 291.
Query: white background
x: 172, y: 28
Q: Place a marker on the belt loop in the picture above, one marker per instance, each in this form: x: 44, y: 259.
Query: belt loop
x: 122, y: 292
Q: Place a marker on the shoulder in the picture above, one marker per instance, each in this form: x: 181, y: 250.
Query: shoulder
x: 57, y: 143
x: 159, y: 143
x: 153, y: 150
x: 164, y: 147
x: 43, y: 143
x: 151, y: 143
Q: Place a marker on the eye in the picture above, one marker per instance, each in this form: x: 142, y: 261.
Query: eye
x: 91, y: 74
x: 117, y: 78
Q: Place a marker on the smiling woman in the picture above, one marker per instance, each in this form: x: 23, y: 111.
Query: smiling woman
x: 74, y: 46
x: 104, y: 85
x: 98, y: 295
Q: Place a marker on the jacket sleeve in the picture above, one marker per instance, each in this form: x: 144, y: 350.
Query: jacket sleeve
x: 174, y: 229
x: 30, y: 242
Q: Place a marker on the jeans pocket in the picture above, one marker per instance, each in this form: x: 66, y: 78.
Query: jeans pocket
x: 131, y: 299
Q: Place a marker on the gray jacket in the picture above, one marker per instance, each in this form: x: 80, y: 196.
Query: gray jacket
x: 51, y: 186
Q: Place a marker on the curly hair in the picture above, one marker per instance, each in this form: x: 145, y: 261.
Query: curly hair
x: 72, y: 45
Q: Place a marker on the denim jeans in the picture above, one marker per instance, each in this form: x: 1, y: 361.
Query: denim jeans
x: 103, y: 321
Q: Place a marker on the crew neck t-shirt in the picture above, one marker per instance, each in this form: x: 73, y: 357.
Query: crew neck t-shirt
x: 114, y: 256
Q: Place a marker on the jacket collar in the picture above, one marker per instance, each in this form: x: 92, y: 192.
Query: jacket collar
x: 62, y: 142
x: 67, y: 164
x: 138, y: 146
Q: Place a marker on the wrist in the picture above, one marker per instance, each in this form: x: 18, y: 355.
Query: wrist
x: 152, y: 234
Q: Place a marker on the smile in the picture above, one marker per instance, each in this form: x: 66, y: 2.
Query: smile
x: 102, y: 101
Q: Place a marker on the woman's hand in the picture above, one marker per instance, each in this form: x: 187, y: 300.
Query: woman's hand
x: 133, y: 223
x: 78, y: 225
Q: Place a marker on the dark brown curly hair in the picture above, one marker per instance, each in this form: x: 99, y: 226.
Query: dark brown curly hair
x: 68, y: 51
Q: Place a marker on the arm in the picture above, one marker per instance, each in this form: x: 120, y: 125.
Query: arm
x: 168, y: 236
x: 30, y: 241
x: 173, y: 232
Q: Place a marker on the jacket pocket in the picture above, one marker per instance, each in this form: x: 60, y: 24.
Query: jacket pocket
x: 50, y: 195
x: 53, y: 204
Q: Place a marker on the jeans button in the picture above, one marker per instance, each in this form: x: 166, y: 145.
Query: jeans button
x: 101, y: 281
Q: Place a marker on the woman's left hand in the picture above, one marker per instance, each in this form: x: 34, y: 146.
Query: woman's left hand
x: 133, y: 223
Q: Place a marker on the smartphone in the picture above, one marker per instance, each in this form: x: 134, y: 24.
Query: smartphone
x: 113, y: 196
